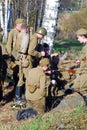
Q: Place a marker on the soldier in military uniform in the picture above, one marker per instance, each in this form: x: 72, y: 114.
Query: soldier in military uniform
x: 11, y: 47
x: 22, y: 47
x: 34, y: 41
x: 11, y: 43
x: 80, y: 82
x: 37, y: 85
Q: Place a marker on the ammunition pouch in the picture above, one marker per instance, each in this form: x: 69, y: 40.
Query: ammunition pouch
x: 33, y: 88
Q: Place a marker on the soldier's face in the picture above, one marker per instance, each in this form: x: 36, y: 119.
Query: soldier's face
x: 18, y: 26
x: 45, y: 67
x: 81, y: 39
x: 40, y: 36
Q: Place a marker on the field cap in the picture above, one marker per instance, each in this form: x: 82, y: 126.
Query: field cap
x: 19, y: 20
x: 44, y: 61
x: 81, y: 31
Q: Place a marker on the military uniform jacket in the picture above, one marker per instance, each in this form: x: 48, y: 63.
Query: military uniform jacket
x: 34, y: 55
x: 80, y: 82
x: 12, y: 40
x: 32, y: 46
x: 83, y: 65
x: 37, y: 77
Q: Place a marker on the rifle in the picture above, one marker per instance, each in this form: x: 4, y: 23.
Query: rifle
x: 72, y: 72
x: 85, y: 60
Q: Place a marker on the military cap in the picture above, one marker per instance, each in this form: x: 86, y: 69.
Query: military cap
x: 44, y: 61
x: 81, y: 31
x: 19, y: 20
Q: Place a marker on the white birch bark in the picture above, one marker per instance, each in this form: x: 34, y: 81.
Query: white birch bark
x: 1, y: 16
x: 6, y: 21
x: 50, y: 20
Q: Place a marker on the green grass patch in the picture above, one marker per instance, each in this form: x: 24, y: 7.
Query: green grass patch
x: 67, y: 45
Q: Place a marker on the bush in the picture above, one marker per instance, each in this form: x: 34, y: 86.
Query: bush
x: 71, y: 23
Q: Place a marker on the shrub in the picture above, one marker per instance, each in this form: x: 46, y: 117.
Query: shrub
x: 72, y: 22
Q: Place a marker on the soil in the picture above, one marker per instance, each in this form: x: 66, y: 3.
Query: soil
x: 8, y: 115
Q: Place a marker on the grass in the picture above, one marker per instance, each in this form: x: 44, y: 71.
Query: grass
x: 72, y: 46
x: 73, y: 120
x: 76, y: 120
x: 67, y: 45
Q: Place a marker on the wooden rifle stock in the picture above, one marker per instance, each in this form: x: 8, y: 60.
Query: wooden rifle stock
x: 85, y: 60
x: 73, y: 71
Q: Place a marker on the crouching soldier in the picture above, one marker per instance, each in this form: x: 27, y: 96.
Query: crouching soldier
x: 36, y: 86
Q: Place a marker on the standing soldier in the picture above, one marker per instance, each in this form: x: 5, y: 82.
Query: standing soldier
x: 12, y: 38
x: 22, y: 48
x: 34, y: 40
x: 11, y: 47
x: 81, y: 79
x: 37, y: 85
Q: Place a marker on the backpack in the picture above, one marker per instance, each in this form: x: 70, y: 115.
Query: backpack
x: 24, y: 114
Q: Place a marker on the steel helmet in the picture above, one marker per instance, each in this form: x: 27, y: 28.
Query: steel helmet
x: 42, y: 31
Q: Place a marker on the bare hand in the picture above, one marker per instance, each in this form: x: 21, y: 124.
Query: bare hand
x: 42, y: 53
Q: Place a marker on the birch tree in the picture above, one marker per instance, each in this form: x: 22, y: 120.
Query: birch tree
x: 50, y: 20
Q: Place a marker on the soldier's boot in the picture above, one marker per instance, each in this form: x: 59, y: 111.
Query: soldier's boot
x: 18, y: 93
x: 85, y: 99
x: 19, y: 101
x: 19, y: 105
x: 23, y: 91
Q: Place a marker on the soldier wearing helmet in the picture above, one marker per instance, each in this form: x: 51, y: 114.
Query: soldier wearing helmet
x: 34, y: 41
x: 80, y: 82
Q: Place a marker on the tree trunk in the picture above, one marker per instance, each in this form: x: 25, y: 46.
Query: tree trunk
x: 50, y: 21
x: 6, y: 21
x: 1, y: 15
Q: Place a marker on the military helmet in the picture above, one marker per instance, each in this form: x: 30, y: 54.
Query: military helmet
x: 81, y: 31
x: 44, y: 61
x: 42, y: 31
